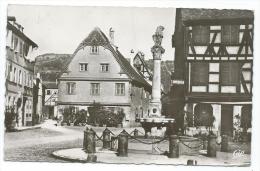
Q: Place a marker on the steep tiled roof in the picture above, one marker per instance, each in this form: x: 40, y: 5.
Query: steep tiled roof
x: 97, y: 37
x: 131, y: 72
x: 21, y: 34
x: 194, y: 14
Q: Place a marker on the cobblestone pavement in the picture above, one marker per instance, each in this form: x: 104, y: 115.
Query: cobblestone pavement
x: 39, y: 153
x: 39, y: 144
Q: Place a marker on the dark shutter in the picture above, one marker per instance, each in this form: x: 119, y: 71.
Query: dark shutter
x: 230, y: 34
x: 229, y: 73
x: 200, y: 35
x: 199, y: 73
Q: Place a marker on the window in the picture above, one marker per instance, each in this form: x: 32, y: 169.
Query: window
x: 71, y: 88
x: 10, y: 74
x: 229, y: 73
x: 199, y: 73
x: 20, y: 77
x: 120, y: 89
x: 48, y: 92
x: 14, y: 78
x: 24, y: 78
x: 27, y: 83
x: 94, y: 49
x: 21, y: 48
x: 15, y: 41
x: 95, y: 89
x: 230, y: 34
x: 200, y: 35
x: 30, y: 81
x: 83, y: 67
x: 104, y: 67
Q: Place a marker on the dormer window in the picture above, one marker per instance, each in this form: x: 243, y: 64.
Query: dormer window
x: 104, y: 67
x: 94, y: 49
x: 83, y: 66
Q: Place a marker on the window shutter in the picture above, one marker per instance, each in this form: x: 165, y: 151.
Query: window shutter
x: 199, y: 73
x: 200, y: 34
x: 230, y: 34
x: 229, y: 73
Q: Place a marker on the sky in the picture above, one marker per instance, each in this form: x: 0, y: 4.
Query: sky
x: 60, y: 29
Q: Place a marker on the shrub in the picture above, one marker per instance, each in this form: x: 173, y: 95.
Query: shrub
x: 80, y: 117
x: 99, y: 115
x: 68, y: 115
x: 10, y: 117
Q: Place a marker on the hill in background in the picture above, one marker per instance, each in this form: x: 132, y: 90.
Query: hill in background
x: 51, y: 65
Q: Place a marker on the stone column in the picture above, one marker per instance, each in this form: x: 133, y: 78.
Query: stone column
x: 157, y: 51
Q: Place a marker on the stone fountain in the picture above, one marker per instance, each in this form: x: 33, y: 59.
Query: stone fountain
x: 154, y: 120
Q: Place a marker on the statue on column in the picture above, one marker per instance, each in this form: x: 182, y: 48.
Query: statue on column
x: 157, y: 49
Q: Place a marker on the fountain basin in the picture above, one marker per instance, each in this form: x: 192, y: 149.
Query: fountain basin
x: 156, y: 120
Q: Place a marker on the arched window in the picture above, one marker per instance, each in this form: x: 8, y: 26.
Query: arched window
x: 203, y: 115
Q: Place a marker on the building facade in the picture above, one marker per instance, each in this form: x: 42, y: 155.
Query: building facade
x: 213, y: 65
x: 50, y: 66
x: 99, y: 73
x: 50, y: 100
x: 19, y: 73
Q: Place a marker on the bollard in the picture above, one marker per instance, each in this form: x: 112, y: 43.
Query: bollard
x: 84, y: 137
x: 106, y: 139
x: 89, y: 145
x: 123, y: 144
x: 192, y: 162
x: 173, y: 146
x: 113, y: 143
x: 204, y: 143
x: 224, y: 143
x: 135, y: 133
x: 92, y: 158
x: 211, y: 152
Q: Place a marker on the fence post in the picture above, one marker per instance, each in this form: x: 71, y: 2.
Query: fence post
x: 89, y: 141
x: 191, y: 162
x: 135, y: 132
x: 224, y: 143
x: 106, y: 139
x: 123, y: 144
x: 173, y: 146
x: 211, y: 152
x: 113, y: 143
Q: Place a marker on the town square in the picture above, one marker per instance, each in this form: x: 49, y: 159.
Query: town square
x: 129, y: 85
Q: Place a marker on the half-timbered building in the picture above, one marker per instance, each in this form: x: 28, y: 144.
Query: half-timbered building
x: 213, y: 63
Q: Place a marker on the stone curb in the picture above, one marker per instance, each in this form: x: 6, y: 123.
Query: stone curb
x: 67, y: 154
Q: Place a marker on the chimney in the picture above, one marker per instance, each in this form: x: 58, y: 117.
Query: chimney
x: 111, y: 35
x: 11, y: 18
